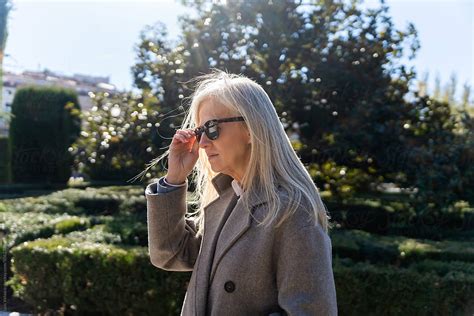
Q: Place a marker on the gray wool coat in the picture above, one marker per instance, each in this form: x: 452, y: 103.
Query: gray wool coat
x: 238, y: 268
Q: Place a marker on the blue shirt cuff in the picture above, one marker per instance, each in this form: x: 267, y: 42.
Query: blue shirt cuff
x: 160, y: 187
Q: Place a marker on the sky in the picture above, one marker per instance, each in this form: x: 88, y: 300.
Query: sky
x: 98, y: 37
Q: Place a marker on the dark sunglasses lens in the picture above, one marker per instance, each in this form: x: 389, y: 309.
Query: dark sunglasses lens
x: 212, y: 131
x: 210, y: 128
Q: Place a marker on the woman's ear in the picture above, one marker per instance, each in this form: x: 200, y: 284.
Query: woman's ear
x: 247, y: 134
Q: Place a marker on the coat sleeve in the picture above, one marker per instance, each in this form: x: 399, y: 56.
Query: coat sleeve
x: 172, y: 241
x: 304, y: 272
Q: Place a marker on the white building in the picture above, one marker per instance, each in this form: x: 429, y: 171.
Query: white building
x: 83, y: 84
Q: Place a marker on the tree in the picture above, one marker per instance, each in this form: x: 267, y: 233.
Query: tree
x: 334, y: 75
x: 5, y: 7
x: 438, y: 155
x: 465, y: 101
x: 329, y: 67
x: 120, y: 134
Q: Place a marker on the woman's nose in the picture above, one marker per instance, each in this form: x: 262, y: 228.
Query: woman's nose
x: 204, y: 141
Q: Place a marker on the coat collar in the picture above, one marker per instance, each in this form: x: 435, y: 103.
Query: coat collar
x: 222, y: 182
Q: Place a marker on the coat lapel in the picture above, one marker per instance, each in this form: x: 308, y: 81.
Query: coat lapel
x: 232, y: 221
x: 236, y: 225
x: 214, y: 215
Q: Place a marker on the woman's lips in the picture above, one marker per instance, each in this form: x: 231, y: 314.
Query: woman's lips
x: 212, y: 156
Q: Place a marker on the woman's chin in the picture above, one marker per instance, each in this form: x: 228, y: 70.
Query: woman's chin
x: 215, y: 168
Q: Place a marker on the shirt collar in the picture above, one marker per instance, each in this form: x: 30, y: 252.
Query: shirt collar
x: 237, y: 188
x: 222, y: 181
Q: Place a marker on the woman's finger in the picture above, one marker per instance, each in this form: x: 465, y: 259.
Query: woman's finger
x: 195, y: 147
x: 184, y: 133
x: 178, y: 138
x: 185, y: 138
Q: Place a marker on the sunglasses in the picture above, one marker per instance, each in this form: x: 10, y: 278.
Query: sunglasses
x: 211, y: 127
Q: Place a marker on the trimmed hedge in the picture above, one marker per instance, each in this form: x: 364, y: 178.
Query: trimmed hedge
x: 30, y: 226
x: 91, y: 201
x: 46, y: 123
x: 425, y: 288
x: 397, y: 250
x: 109, y: 239
x: 119, y: 229
x: 398, y: 218
x: 368, y: 215
x: 5, y: 160
x: 86, y: 277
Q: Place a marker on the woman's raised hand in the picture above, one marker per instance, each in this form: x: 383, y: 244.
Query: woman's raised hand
x: 183, y: 154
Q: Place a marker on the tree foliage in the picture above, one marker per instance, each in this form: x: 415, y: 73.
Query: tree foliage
x: 334, y: 74
x: 328, y: 67
x: 119, y: 136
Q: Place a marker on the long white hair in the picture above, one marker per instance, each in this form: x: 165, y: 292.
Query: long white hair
x: 273, y: 160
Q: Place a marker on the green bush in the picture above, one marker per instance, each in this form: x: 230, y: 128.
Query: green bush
x: 338, y: 180
x: 118, y: 229
x: 443, y: 268
x: 96, y: 234
x: 397, y: 217
x: 374, y: 219
x: 366, y: 289
x: 398, y: 250
x: 124, y: 230
x: 86, y: 277
x: 134, y: 205
x: 98, y: 204
x: 100, y: 264
x: 46, y: 122
x: 48, y: 204
x: 131, y: 229
x: 92, y: 201
x: 21, y: 227
x: 5, y: 162
x: 113, y: 279
x: 455, y: 221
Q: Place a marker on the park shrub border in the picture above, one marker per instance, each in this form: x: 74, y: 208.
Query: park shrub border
x: 88, y: 277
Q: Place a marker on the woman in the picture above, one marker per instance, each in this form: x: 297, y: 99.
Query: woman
x: 258, y: 242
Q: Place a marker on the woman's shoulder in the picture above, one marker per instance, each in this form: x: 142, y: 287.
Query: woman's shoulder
x: 289, y: 212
